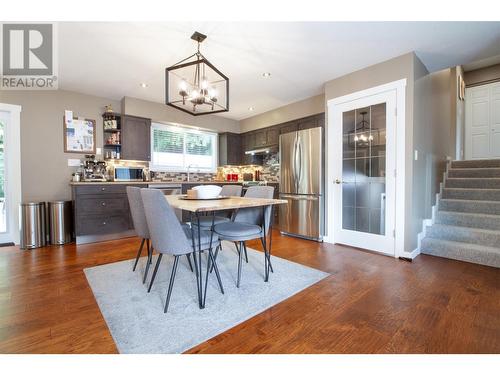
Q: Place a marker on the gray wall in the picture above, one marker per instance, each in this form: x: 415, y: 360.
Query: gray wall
x: 44, y: 168
x: 482, y: 76
x: 307, y: 107
x: 163, y: 113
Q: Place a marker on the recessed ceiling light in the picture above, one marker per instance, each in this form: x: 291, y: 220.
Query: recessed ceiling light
x: 266, y: 74
x: 250, y: 108
x: 144, y: 85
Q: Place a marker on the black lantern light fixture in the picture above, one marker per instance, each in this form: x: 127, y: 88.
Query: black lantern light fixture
x: 195, y: 86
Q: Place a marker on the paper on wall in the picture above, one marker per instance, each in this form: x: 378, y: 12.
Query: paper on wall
x: 68, y: 117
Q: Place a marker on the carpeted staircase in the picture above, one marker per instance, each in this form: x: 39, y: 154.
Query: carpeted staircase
x: 467, y: 220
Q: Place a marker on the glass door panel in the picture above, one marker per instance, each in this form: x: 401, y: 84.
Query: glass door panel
x: 363, y: 169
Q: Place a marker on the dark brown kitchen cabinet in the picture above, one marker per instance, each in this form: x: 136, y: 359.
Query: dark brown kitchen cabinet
x: 307, y: 123
x: 321, y: 120
x: 288, y: 127
x: 248, y: 140
x: 261, y: 138
x: 229, y: 149
x: 273, y: 135
x: 101, y: 212
x: 135, y: 138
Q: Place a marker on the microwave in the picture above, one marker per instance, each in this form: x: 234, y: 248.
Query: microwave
x: 128, y: 173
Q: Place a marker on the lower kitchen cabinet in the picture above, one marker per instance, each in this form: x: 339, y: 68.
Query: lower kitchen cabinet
x: 101, y: 212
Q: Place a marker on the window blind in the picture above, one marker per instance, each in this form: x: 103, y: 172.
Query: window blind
x: 175, y: 148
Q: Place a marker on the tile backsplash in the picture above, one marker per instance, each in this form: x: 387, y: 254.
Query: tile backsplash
x: 270, y: 171
x: 182, y: 177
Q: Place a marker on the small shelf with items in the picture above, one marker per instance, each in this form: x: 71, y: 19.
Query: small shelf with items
x: 112, y: 134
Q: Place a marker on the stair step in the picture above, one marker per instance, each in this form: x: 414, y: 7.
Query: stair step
x: 478, y: 183
x: 471, y: 194
x: 479, y: 163
x: 483, y: 237
x: 488, y: 256
x: 471, y: 220
x: 473, y: 172
x: 470, y: 206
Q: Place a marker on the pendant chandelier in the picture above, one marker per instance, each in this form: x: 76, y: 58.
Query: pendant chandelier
x: 363, y: 135
x: 195, y: 86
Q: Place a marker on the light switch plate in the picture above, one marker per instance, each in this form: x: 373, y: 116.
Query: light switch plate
x: 98, y: 151
x: 416, y: 154
x: 73, y: 162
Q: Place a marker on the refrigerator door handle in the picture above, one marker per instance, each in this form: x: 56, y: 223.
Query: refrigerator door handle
x: 295, y: 168
x: 299, y: 149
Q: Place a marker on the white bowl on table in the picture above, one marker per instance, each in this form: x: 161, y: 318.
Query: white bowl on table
x: 207, y: 191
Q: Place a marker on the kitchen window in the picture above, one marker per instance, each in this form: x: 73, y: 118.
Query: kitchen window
x: 175, y: 148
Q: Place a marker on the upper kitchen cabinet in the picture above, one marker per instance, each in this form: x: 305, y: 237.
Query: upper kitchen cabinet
x: 136, y: 138
x: 311, y: 122
x: 273, y: 136
x: 288, y: 127
x: 260, y: 138
x: 248, y: 140
x: 229, y: 149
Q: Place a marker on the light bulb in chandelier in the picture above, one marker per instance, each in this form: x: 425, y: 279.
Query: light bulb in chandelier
x: 212, y: 94
x: 183, y: 90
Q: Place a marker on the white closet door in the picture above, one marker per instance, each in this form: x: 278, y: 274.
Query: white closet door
x: 477, y: 129
x: 495, y: 120
x: 482, y: 122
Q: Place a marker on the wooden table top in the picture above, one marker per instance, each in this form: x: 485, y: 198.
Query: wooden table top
x: 219, y: 204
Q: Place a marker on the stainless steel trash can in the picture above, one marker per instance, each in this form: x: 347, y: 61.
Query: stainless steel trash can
x: 60, y: 222
x: 33, y: 225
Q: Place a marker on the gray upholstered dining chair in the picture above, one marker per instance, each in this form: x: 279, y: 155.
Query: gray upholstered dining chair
x: 248, y: 224
x: 169, y: 237
x: 206, y: 221
x: 141, y: 227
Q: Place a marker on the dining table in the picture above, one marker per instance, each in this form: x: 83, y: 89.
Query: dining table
x: 208, y: 207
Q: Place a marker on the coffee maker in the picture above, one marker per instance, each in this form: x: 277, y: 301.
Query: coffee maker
x: 94, y: 170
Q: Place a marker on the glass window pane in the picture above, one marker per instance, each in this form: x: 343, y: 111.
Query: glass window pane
x: 362, y: 219
x: 348, y: 170
x: 348, y: 218
x: 176, y: 148
x: 378, y: 127
x: 348, y: 134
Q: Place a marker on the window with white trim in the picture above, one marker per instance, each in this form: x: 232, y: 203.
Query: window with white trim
x: 175, y: 148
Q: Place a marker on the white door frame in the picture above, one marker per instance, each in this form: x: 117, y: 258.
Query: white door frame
x: 400, y: 88
x: 12, y: 139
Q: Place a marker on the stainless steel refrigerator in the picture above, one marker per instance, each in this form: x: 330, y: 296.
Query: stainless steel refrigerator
x: 301, y: 184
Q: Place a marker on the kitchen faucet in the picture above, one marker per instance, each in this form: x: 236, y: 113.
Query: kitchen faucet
x: 189, y: 169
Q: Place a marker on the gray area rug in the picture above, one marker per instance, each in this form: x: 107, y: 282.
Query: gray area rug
x: 136, y: 319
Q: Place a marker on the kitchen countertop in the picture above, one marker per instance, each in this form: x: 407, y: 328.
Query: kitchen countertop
x: 153, y: 182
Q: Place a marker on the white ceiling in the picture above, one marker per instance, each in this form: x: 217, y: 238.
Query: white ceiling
x: 112, y: 59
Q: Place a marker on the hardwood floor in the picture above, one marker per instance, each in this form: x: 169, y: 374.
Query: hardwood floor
x: 369, y: 304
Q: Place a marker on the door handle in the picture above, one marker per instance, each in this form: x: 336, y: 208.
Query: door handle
x: 337, y: 181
